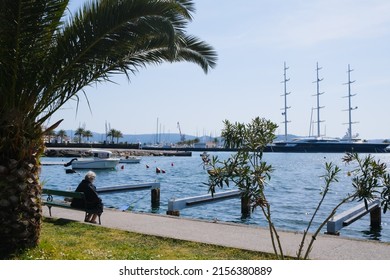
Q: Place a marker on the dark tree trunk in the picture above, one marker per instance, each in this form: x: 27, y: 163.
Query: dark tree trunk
x: 20, y: 188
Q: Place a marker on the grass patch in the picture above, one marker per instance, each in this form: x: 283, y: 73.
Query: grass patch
x: 67, y: 240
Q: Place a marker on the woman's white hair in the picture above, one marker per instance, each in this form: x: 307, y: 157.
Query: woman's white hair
x: 90, y: 176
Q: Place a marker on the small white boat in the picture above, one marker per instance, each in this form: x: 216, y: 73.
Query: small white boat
x: 130, y: 159
x: 101, y: 160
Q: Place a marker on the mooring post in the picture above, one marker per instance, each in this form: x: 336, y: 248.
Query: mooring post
x: 155, y: 193
x: 173, y: 213
x: 375, y: 217
x: 245, y: 207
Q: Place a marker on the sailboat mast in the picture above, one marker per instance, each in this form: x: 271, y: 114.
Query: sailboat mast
x: 318, y: 101
x: 157, y: 141
x: 350, y: 109
x: 285, y: 80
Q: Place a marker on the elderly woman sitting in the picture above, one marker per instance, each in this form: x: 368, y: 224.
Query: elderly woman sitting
x: 93, y: 202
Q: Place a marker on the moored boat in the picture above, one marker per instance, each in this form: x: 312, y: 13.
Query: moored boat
x: 318, y: 144
x: 130, y: 159
x: 101, y: 159
x: 327, y: 145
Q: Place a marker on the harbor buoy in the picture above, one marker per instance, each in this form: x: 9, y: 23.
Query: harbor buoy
x: 122, y: 167
x: 172, y: 164
x: 147, y: 166
x: 159, y: 170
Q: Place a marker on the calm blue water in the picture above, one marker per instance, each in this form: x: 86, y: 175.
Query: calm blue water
x: 294, y: 190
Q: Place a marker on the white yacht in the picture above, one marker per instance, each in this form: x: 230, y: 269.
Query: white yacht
x: 101, y: 159
x: 130, y: 159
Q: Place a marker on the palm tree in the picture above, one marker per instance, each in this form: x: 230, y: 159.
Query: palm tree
x: 113, y: 133
x: 62, y: 135
x: 48, y: 57
x: 88, y: 134
x: 80, y: 132
x: 118, y: 135
x: 49, y: 135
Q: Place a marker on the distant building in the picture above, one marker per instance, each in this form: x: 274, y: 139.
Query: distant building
x: 200, y: 145
x: 207, y: 145
x: 211, y: 144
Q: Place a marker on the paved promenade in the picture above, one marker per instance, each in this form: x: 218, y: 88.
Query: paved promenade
x: 233, y: 235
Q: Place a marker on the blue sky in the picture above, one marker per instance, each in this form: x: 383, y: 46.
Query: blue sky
x: 253, y: 40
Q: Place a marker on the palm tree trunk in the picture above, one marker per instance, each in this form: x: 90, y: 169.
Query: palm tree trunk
x: 20, y: 188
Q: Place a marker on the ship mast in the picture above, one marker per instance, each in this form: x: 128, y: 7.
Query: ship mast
x: 350, y: 109
x: 318, y: 108
x: 284, y: 113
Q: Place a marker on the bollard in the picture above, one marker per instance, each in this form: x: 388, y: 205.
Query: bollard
x: 155, y: 193
x: 375, y: 218
x: 245, y: 207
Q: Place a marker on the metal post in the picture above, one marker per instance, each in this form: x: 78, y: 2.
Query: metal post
x: 245, y: 207
x: 155, y: 193
x: 375, y: 217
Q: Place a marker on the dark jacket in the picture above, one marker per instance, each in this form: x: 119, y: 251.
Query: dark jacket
x: 93, y: 202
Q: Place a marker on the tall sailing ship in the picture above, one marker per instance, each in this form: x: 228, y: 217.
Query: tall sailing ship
x: 320, y: 144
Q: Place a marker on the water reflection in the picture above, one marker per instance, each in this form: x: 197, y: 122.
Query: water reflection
x: 373, y: 234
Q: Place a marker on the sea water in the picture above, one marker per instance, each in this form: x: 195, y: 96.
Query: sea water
x: 293, y: 191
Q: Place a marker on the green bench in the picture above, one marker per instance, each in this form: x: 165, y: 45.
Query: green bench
x: 68, y: 195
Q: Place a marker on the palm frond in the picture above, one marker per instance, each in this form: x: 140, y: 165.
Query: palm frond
x: 95, y: 45
x: 27, y: 29
x: 45, y: 62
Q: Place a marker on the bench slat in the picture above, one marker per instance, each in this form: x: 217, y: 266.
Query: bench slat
x: 63, y: 193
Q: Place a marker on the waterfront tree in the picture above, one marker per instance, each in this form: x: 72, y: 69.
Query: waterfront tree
x: 113, y: 133
x: 50, y: 134
x: 88, y: 134
x: 62, y: 135
x: 47, y: 57
x: 80, y: 132
x: 246, y: 169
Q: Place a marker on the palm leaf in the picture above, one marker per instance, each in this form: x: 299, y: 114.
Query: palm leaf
x: 45, y: 62
x: 26, y: 28
x: 94, y: 45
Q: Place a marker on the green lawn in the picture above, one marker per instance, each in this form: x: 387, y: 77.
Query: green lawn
x: 67, y: 240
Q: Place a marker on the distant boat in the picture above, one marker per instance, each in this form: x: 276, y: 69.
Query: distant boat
x: 101, y: 159
x: 349, y: 143
x: 130, y: 159
x: 326, y: 145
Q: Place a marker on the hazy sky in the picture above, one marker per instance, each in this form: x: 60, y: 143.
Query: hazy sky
x: 253, y: 39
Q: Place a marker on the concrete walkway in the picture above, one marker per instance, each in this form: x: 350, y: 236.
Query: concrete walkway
x: 233, y: 235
